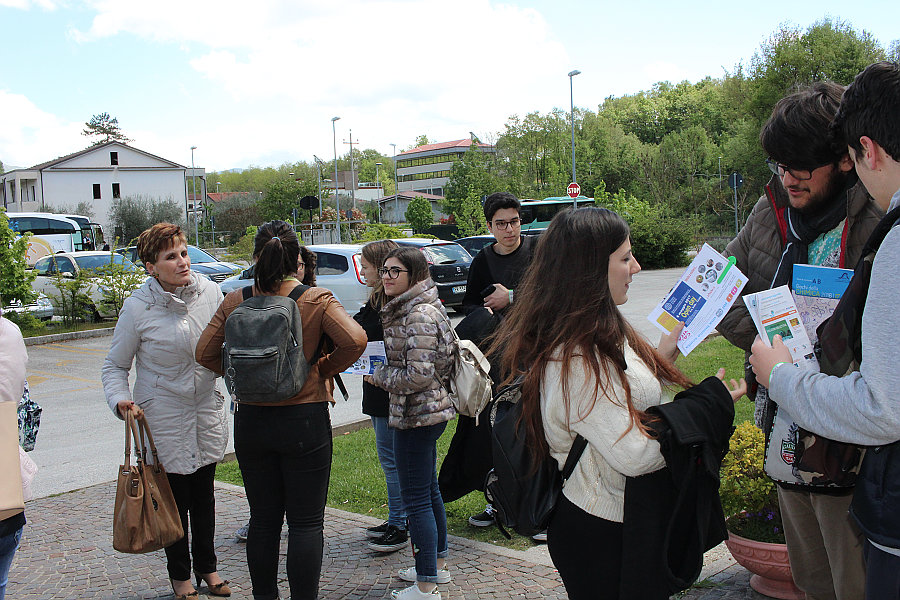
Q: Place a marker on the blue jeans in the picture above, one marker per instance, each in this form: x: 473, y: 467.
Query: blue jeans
x: 8, y: 546
x: 384, y: 446
x: 285, y: 457
x: 416, y: 454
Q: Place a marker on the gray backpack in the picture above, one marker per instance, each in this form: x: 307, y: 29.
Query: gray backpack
x: 263, y: 358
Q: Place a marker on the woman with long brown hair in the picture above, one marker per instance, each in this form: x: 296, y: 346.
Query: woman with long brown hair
x: 586, y: 371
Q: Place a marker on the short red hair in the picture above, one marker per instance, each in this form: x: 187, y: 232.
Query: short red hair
x: 154, y: 240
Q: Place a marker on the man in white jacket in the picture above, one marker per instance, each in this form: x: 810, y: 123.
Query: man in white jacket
x: 862, y: 407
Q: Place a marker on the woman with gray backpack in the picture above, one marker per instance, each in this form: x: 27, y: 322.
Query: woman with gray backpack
x: 283, y: 342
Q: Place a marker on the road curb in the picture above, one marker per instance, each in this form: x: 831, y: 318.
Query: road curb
x: 71, y: 335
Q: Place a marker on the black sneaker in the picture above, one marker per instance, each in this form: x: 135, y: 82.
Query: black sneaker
x: 378, y: 531
x: 393, y: 539
x: 483, y: 519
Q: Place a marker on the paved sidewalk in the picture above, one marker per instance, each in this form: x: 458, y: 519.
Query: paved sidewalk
x: 67, y: 552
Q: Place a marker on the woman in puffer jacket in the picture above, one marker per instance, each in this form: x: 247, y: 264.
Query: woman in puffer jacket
x: 420, y: 345
x: 158, y: 329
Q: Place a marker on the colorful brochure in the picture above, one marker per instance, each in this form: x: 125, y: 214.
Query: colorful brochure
x: 700, y: 299
x: 817, y: 291
x: 774, y: 313
x: 373, y: 356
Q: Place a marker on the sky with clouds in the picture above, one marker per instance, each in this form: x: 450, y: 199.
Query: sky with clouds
x: 257, y: 83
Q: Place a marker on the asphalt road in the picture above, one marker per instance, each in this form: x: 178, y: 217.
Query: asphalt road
x: 81, y: 442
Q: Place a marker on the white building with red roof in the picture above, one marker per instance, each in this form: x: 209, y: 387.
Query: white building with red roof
x: 426, y: 169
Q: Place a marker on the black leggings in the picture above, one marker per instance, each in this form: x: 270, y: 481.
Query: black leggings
x: 194, y: 495
x: 587, y: 552
x: 285, y: 457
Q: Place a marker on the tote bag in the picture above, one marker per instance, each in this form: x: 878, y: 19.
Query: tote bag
x: 145, y: 516
x: 12, y: 501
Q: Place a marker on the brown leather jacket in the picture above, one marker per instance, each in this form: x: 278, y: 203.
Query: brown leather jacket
x: 759, y: 245
x: 321, y: 314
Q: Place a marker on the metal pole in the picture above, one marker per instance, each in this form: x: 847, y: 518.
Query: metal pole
x: 319, y: 181
x: 337, y: 200
x: 194, y: 185
x: 572, y: 118
x: 396, y: 189
x: 720, y: 174
x: 736, y: 227
x: 378, y: 186
x: 352, y: 177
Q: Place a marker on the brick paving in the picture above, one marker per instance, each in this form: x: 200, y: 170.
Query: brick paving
x: 67, y: 552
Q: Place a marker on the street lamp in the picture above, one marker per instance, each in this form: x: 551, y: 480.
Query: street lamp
x: 572, y: 118
x: 720, y: 173
x: 378, y: 185
x: 194, y: 184
x: 319, y: 181
x: 396, y: 189
x: 218, y: 183
x: 337, y: 200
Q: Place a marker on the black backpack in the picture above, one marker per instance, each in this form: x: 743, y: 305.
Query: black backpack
x: 523, y: 496
x: 263, y: 358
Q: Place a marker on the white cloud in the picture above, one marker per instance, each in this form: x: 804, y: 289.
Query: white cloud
x: 27, y: 4
x: 29, y: 133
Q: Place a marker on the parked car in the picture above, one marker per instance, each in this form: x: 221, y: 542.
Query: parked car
x: 338, y: 269
x: 70, y: 263
x: 475, y: 243
x: 449, y: 265
x: 41, y: 308
x: 201, y: 262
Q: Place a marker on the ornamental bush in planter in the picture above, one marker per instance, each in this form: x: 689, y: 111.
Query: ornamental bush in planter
x: 756, y: 535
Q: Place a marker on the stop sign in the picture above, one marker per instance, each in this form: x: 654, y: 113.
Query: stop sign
x: 574, y: 190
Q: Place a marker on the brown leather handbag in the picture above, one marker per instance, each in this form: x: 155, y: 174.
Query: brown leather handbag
x: 146, y: 516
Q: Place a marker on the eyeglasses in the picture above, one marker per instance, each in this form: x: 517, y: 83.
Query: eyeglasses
x: 300, y: 264
x: 798, y: 174
x: 391, y: 272
x: 502, y: 225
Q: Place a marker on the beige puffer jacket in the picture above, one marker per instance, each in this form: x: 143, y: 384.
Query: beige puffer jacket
x: 159, y: 331
x: 420, y: 346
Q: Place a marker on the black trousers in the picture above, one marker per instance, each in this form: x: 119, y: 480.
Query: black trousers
x: 587, y: 552
x: 285, y: 457
x: 194, y: 496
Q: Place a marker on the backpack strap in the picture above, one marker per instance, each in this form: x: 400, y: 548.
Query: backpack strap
x: 574, y: 456
x: 297, y: 292
x: 246, y: 292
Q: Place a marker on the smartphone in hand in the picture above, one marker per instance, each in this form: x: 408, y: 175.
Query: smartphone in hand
x: 488, y: 291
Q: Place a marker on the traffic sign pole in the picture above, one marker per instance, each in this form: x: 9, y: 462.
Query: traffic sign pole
x: 573, y: 190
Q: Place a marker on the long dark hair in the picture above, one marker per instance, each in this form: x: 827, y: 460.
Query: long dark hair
x: 276, y: 249
x: 549, y: 319
x: 414, y: 260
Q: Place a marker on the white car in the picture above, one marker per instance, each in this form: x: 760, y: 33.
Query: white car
x: 338, y: 269
x: 70, y: 263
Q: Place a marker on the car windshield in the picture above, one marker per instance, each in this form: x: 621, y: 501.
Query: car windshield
x: 447, y: 254
x: 199, y: 256
x: 96, y: 261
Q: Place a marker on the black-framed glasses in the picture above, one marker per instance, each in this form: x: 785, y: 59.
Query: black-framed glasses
x: 391, y: 272
x: 502, y: 225
x: 799, y: 174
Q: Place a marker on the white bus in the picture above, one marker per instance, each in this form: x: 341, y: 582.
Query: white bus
x: 51, y: 233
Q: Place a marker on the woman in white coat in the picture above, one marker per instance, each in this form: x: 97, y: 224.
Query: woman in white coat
x: 158, y: 328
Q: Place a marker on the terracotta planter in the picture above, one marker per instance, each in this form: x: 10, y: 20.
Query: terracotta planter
x: 769, y: 564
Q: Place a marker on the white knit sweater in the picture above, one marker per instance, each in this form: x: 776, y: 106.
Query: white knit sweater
x: 597, y: 485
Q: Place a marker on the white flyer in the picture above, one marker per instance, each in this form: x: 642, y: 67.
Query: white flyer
x: 700, y: 299
x: 372, y: 356
x: 774, y: 313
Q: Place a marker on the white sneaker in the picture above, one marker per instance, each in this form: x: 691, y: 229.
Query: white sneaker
x: 443, y: 575
x: 540, y: 537
x: 414, y: 593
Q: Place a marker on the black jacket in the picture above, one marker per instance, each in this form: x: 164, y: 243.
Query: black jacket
x: 375, y: 400
x: 674, y: 515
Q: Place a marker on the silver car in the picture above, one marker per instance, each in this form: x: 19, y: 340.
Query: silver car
x: 338, y: 269
x: 41, y: 308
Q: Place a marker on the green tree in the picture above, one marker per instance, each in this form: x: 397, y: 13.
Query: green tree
x: 473, y: 173
x: 235, y: 213
x: 281, y: 197
x: 104, y: 128
x: 470, y: 215
x: 15, y: 278
x: 419, y: 214
x: 133, y: 214
x: 243, y: 248
x: 421, y: 140
x: 72, y: 297
x: 378, y: 231
x: 117, y: 282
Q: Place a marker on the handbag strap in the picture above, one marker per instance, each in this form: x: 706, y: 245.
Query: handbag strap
x: 574, y: 455
x: 131, y: 430
x: 145, y: 428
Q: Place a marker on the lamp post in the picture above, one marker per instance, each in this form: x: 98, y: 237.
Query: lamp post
x: 218, y: 183
x: 378, y: 184
x: 572, y: 118
x: 194, y: 190
x: 396, y: 189
x: 720, y: 173
x: 337, y: 200
x: 319, y: 181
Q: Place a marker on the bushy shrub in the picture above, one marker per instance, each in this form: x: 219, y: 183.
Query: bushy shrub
x: 749, y: 497
x: 378, y: 231
x: 658, y: 240
x: 243, y: 248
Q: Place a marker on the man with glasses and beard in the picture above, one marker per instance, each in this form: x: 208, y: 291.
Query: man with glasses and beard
x: 814, y: 211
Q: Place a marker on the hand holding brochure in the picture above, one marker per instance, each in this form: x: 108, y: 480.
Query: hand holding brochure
x: 373, y: 356
x: 774, y: 313
x: 700, y: 299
